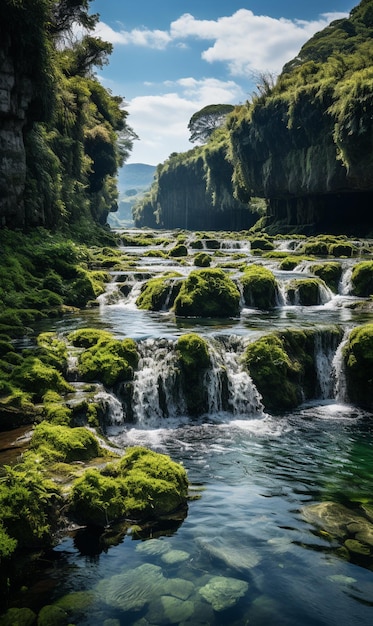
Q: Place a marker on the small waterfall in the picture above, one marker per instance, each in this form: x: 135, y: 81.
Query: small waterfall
x: 242, y: 397
x: 324, y: 355
x: 156, y: 392
x: 340, y: 388
x: 111, y: 406
x: 325, y: 293
x: 345, y: 285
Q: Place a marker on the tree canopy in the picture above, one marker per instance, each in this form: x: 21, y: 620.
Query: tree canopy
x: 203, y: 123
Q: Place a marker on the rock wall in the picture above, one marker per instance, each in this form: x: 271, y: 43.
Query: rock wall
x: 15, y: 96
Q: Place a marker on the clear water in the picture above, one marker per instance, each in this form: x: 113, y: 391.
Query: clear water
x: 253, y: 475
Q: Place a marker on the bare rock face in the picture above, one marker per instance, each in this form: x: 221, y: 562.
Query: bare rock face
x: 15, y: 96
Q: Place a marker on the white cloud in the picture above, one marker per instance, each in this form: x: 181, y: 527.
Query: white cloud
x: 161, y: 121
x: 244, y: 41
x: 248, y: 42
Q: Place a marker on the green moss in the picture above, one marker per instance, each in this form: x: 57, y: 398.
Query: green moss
x: 288, y: 263
x: 194, y: 360
x: 202, y: 259
x: 88, y: 337
x: 259, y: 287
x: 36, y: 378
x: 178, y: 250
x: 304, y: 291
x: 358, y: 356
x: 261, y: 243
x: 143, y: 485
x: 342, y: 249
x: 329, y: 272
x: 208, y: 293
x: 18, y: 617
x: 51, y: 615
x: 156, y: 292
x: 362, y: 279
x: 109, y: 360
x: 61, y: 443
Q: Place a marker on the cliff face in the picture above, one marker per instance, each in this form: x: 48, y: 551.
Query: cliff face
x: 15, y: 96
x: 307, y: 145
x: 194, y: 191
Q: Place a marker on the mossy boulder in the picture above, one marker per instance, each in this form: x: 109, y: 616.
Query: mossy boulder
x: 330, y: 272
x: 202, y: 259
x: 36, y: 378
x: 341, y: 249
x: 259, y: 287
x: 362, y: 279
x: 288, y: 263
x: 110, y: 361
x: 62, y: 443
x: 144, y: 484
x: 194, y: 360
x: 88, y: 337
x: 178, y: 251
x: 304, y: 291
x: 261, y: 243
x: 18, y: 617
x: 51, y: 615
x: 358, y: 356
x: 282, y: 366
x: 159, y: 292
x: 208, y: 293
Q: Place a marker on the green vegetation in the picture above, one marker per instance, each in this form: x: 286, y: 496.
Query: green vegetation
x: 60, y: 443
x: 329, y: 272
x: 304, y: 291
x: 362, y: 279
x: 208, y: 293
x: 358, y: 356
x: 194, y: 360
x: 144, y: 484
x: 157, y: 292
x: 202, y: 259
x: 259, y: 287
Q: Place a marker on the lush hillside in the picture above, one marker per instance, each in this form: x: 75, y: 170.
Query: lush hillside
x: 62, y: 135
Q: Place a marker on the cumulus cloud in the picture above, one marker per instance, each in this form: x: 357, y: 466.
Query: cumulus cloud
x: 248, y: 42
x: 244, y: 41
x: 161, y: 121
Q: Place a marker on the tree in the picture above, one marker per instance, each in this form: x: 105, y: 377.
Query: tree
x: 203, y: 123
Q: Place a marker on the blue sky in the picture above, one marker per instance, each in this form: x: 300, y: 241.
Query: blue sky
x: 173, y: 57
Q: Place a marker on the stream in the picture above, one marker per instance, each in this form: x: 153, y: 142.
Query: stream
x: 245, y: 553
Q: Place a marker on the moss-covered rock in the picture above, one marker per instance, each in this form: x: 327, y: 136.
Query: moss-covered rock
x: 194, y: 360
x: 208, y: 293
x: 178, y: 250
x: 88, y: 337
x: 51, y: 615
x: 304, y: 291
x: 18, y: 617
x: 61, y: 443
x: 330, y: 272
x: 362, y: 279
x: 36, y: 378
x: 261, y: 243
x: 358, y: 356
x: 259, y: 287
x: 202, y: 259
x: 144, y: 484
x: 158, y: 292
x: 110, y: 361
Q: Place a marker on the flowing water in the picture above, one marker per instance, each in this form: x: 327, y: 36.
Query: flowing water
x: 246, y: 552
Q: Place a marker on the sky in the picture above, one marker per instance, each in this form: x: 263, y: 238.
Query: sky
x: 173, y: 57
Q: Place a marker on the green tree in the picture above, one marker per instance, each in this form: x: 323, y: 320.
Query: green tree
x: 203, y: 123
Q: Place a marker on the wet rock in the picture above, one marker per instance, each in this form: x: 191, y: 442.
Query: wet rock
x: 52, y: 616
x: 19, y: 617
x: 169, y: 610
x: 357, y: 548
x: 133, y: 589
x: 175, y: 556
x: 154, y: 547
x: 222, y: 592
x: 179, y: 588
x: 241, y: 560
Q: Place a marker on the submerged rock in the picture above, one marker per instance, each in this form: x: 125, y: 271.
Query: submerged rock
x: 222, y: 592
x: 19, y: 617
x: 241, y: 560
x: 133, y: 589
x: 175, y: 556
x: 169, y: 610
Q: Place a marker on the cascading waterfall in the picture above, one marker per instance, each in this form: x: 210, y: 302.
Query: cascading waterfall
x: 340, y: 388
x: 326, y: 346
x: 156, y: 392
x: 114, y: 414
x: 345, y: 285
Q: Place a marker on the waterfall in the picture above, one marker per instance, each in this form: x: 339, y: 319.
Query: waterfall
x: 156, y: 392
x: 340, y: 388
x: 324, y: 356
x: 227, y: 370
x: 345, y: 285
x: 112, y: 407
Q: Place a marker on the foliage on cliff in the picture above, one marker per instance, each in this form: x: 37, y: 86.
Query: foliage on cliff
x: 193, y: 190
x: 75, y: 131
x: 312, y: 131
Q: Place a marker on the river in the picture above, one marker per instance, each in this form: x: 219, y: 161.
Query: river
x: 245, y: 553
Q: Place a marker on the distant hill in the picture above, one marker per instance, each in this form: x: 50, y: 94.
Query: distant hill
x: 134, y: 180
